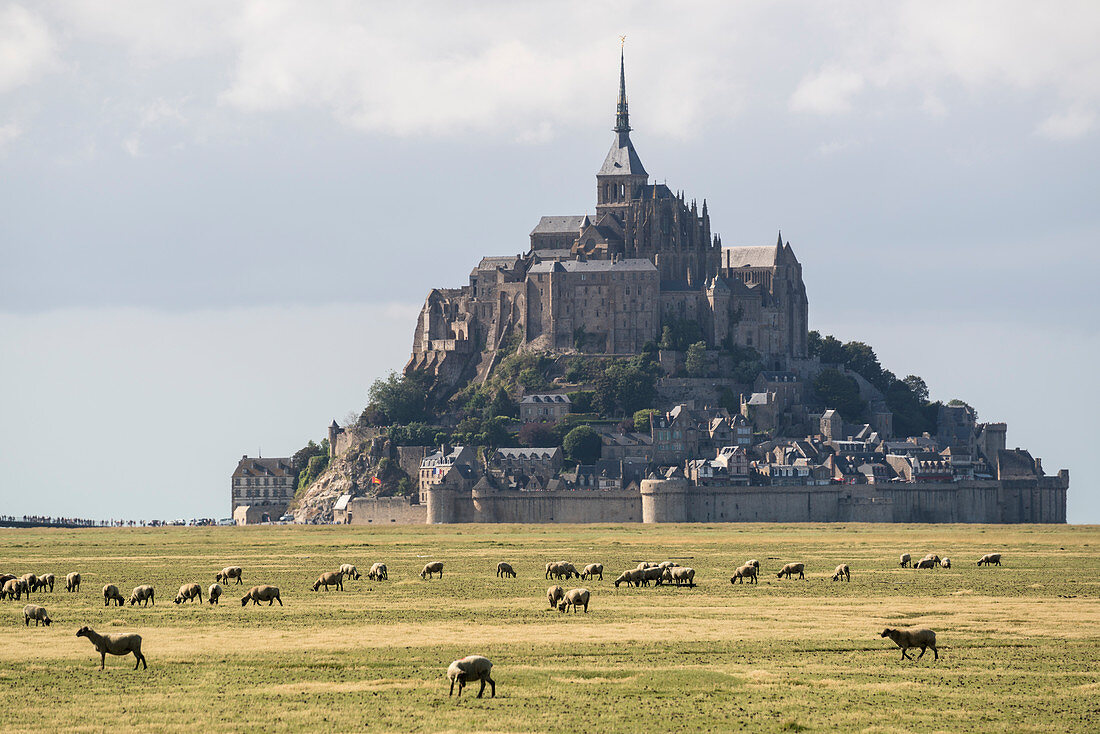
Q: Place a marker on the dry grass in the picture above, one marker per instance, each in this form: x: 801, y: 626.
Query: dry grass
x: 1019, y: 649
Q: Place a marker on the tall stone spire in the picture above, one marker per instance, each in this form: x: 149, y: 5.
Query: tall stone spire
x: 622, y: 109
x: 622, y: 175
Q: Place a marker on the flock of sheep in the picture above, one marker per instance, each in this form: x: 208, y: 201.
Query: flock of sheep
x: 471, y: 668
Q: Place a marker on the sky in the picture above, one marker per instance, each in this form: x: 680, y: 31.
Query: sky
x: 218, y: 220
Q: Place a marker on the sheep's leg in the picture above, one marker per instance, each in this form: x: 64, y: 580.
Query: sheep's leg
x: 922, y: 648
x: 102, y: 660
x: 936, y: 653
x: 453, y: 688
x: 493, y: 684
x: 279, y: 600
x: 904, y: 654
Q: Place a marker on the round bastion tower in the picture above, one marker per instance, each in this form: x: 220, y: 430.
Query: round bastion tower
x: 664, y: 500
x: 441, y: 504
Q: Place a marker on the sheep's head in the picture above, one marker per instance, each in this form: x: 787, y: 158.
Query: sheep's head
x: 317, y: 586
x: 47, y: 621
x: 561, y: 606
x: 886, y: 632
x: 83, y: 631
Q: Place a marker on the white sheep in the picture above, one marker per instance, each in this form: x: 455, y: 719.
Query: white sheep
x: 633, y: 577
x: 30, y: 583
x: 505, y: 570
x: 468, y: 669
x: 430, y: 568
x: 842, y: 571
x: 214, y: 593
x: 257, y: 594
x: 12, y: 589
x: 792, y: 568
x: 754, y: 563
x: 554, y: 595
x: 330, y: 578
x: 143, y: 593
x: 46, y: 579
x: 350, y: 571
x: 906, y: 560
x: 680, y: 574
x: 653, y: 573
x: 561, y: 569
x: 112, y: 594
x: 378, y: 572
x: 946, y: 562
x: 115, y: 644
x: 990, y: 559
x: 229, y: 572
x: 932, y: 557
x: 189, y: 592
x: 592, y: 570
x: 913, y: 637
x: 574, y: 598
x: 667, y: 564
x: 925, y: 563
x: 748, y: 571
x: 37, y: 613
x: 72, y: 582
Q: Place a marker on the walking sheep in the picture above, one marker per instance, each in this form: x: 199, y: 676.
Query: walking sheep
x: 592, y: 570
x: 330, y: 579
x: 214, y: 593
x: 574, y: 598
x: 554, y: 595
x: 990, y: 559
x: 429, y: 569
x: 141, y: 594
x: 913, y: 637
x: 906, y: 560
x: 72, y: 582
x: 842, y: 571
x: 378, y: 572
x: 257, y: 594
x: 229, y: 572
x: 505, y: 569
x: 115, y: 644
x: 189, y: 592
x: 792, y: 568
x: 468, y: 669
x: 111, y: 594
x: 37, y: 613
x: 747, y: 571
x: 350, y: 571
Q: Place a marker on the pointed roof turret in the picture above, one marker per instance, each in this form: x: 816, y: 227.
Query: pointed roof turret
x: 622, y: 108
x: 780, y: 242
x: 622, y: 159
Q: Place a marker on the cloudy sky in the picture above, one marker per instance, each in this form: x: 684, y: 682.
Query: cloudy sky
x: 217, y: 220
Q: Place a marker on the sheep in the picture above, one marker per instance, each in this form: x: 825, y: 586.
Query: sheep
x: 111, y: 594
x: 990, y: 559
x: 562, y: 569
x: 350, y: 571
x: 792, y: 568
x: 842, y: 571
x: 46, y: 580
x: 115, y: 644
x: 189, y: 592
x: 37, y: 613
x: 12, y: 589
x: 554, y: 595
x: 471, y: 668
x: 653, y: 573
x: 946, y: 563
x: 906, y: 560
x: 6, y: 577
x: 633, y: 577
x: 748, y: 571
x: 754, y: 563
x: 378, y: 572
x: 913, y: 637
x: 72, y: 582
x: 30, y: 582
x: 574, y: 597
x: 925, y: 563
x: 681, y: 575
x: 141, y: 594
x: 257, y: 594
x: 329, y: 578
x: 505, y: 569
x: 214, y: 593
x: 644, y: 565
x: 932, y: 557
x: 667, y: 564
x: 430, y: 568
x: 229, y: 572
x: 592, y: 570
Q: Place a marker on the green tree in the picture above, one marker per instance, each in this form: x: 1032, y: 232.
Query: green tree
x: 582, y: 444
x: 643, y: 419
x: 541, y: 435
x: 918, y: 387
x: 695, y: 362
x: 397, y: 399
x: 626, y: 385
x: 414, y: 434
x: 839, y: 391
x: 668, y: 341
x: 531, y: 379
x: 502, y: 405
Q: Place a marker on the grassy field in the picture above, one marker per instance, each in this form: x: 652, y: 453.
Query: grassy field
x: 1019, y: 644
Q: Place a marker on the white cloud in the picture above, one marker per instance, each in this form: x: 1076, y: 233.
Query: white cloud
x: 827, y: 92
x: 1069, y: 125
x: 27, y: 48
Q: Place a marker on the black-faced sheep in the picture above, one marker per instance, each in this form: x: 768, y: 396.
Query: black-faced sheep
x: 990, y: 559
x: 37, y: 613
x: 554, y: 595
x: 115, y: 644
x: 747, y: 571
x: 142, y: 595
x: 329, y: 578
x: 906, y: 560
x: 792, y: 568
x: 112, y: 594
x: 913, y: 637
x: 378, y: 572
x: 680, y: 574
x: 257, y: 594
x: 214, y: 593
x: 469, y: 669
x: 229, y: 572
x: 842, y: 571
x: 946, y: 563
x: 505, y: 570
x: 653, y: 573
x: 350, y: 571
x: 6, y: 577
x: 430, y: 568
x: 72, y: 582
x: 592, y: 570
x: 925, y: 563
x: 189, y: 592
x: 574, y: 598
x: 932, y: 557
x: 30, y: 583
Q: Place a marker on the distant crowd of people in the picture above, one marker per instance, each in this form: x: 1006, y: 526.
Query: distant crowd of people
x: 73, y: 521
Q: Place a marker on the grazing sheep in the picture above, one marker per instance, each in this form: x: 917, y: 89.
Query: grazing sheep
x: 748, y: 571
x: 842, y: 571
x: 653, y: 573
x: 350, y: 571
x: 562, y: 569
x: 906, y: 560
x: 111, y: 593
x: 932, y: 557
x: 378, y: 572
x: 37, y: 613
x: 644, y: 565
x: 430, y: 568
x: 72, y: 582
x: 681, y: 575
x: 554, y: 595
x: 946, y: 563
x: 574, y: 597
x: 667, y: 564
x: 505, y: 569
x: 925, y: 563
x: 592, y: 570
x: 189, y: 592
x: 6, y: 577
x: 12, y: 589
x: 30, y: 583
x: 792, y: 568
x: 913, y: 637
x: 46, y: 580
x: 115, y: 644
x: 257, y: 594
x: 214, y: 593
x: 471, y: 668
x: 633, y: 577
x: 988, y: 559
x: 229, y: 572
x: 330, y: 578
x: 143, y: 593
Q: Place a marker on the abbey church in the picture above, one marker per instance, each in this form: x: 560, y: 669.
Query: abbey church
x: 607, y: 283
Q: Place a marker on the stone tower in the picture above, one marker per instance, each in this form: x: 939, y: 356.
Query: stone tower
x: 622, y: 175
